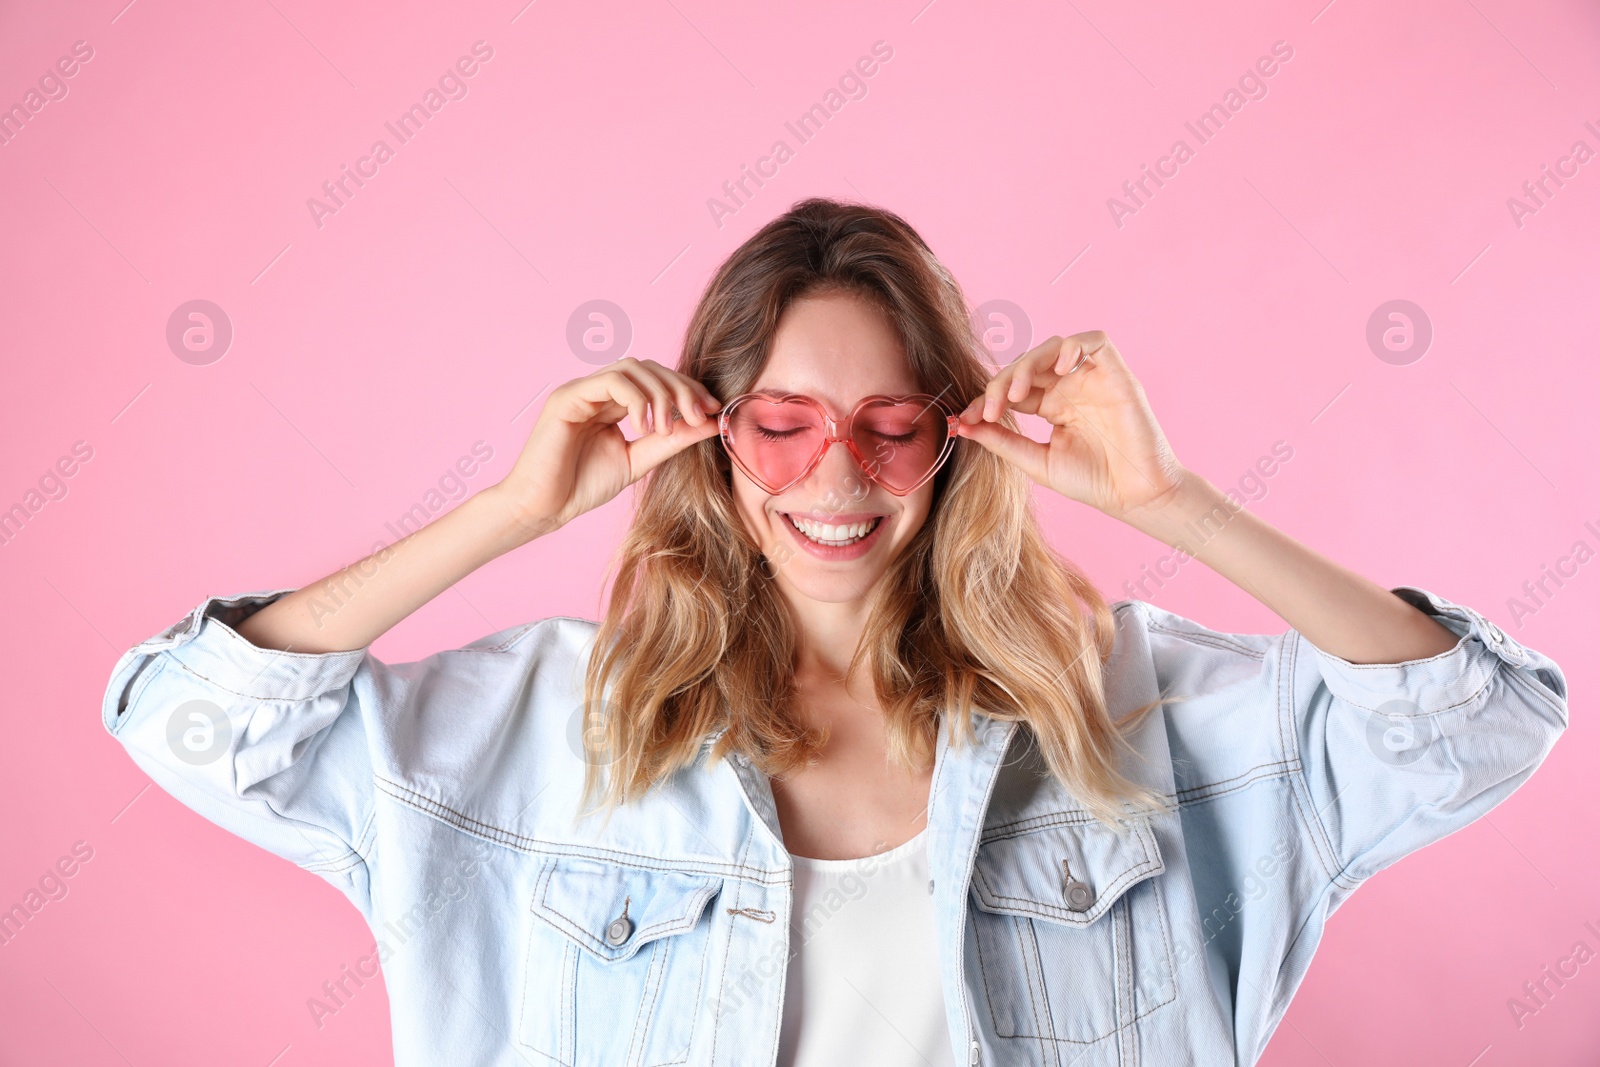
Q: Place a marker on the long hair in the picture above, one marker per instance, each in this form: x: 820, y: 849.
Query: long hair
x: 977, y: 611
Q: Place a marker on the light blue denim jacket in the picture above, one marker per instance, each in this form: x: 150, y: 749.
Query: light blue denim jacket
x: 440, y: 796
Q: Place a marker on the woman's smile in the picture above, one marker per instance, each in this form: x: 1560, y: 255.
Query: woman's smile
x: 839, y: 537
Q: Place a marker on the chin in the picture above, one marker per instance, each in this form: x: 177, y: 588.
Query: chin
x: 835, y: 588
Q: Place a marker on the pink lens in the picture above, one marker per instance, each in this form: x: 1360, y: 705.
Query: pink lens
x: 777, y: 441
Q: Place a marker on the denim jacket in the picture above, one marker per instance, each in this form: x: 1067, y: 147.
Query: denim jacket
x: 440, y: 796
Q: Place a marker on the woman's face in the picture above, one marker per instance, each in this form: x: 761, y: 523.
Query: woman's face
x: 838, y: 349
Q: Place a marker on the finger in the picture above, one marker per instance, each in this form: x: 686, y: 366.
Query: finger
x: 693, y: 399
x: 650, y: 451
x: 1028, y: 455
x: 624, y: 392
x: 1071, y: 352
x: 994, y: 393
x: 647, y: 377
x: 1079, y: 351
x: 707, y: 401
x: 1021, y: 381
x: 605, y: 396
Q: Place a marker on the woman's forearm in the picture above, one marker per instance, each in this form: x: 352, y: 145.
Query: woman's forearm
x: 354, y: 606
x: 1335, y: 609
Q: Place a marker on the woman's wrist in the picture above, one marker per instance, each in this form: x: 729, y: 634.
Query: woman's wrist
x: 1187, y: 516
x: 504, y: 524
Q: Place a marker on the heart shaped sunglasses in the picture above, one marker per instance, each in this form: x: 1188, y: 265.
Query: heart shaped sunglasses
x: 779, y: 438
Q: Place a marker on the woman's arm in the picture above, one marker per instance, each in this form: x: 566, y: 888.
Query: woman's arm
x: 353, y: 607
x: 1334, y: 608
x: 1107, y: 450
x: 575, y: 459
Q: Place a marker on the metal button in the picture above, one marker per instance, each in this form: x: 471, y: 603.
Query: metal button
x: 620, y: 929
x: 1078, y: 894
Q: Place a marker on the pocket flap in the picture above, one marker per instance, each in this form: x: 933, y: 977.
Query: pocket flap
x: 1026, y: 872
x: 613, y: 910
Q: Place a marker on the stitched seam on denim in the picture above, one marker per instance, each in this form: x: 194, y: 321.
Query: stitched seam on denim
x: 660, y: 983
x: 1032, y: 823
x: 640, y: 1020
x: 1313, y: 907
x: 140, y: 684
x: 1166, y: 942
x: 368, y: 837
x: 738, y: 895
x: 573, y: 930
x: 1474, y: 630
x: 273, y: 698
x: 569, y: 996
x: 675, y: 925
x: 983, y: 973
x: 1539, y: 691
x: 335, y: 866
x: 528, y: 969
x: 1043, y: 910
x: 1289, y: 720
x: 1269, y: 771
x: 1035, y: 968
x: 1214, y: 640
x: 1115, y: 1030
x: 1463, y: 702
x: 1122, y: 921
x: 327, y: 659
x: 1032, y: 969
x: 971, y: 864
x: 530, y: 845
x: 1158, y: 892
x: 1016, y: 922
x: 699, y: 997
x: 567, y: 1006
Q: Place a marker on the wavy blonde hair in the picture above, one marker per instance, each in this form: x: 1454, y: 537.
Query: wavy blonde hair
x: 977, y: 610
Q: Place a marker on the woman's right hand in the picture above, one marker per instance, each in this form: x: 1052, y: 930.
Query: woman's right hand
x: 576, y: 457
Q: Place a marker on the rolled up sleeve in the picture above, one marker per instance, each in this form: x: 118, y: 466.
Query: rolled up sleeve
x: 269, y: 745
x: 1396, y: 756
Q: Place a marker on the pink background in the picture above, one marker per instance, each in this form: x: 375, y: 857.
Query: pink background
x: 431, y: 311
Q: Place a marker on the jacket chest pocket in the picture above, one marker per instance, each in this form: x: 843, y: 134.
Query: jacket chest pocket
x: 1071, y: 932
x: 615, y: 964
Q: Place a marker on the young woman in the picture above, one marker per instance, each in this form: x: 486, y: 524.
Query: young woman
x: 856, y: 768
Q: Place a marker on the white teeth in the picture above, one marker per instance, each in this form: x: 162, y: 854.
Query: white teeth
x: 827, y: 534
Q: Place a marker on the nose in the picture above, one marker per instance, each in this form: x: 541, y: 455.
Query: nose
x: 838, y: 477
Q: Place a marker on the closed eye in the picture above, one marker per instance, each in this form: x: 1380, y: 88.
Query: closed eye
x: 776, y: 435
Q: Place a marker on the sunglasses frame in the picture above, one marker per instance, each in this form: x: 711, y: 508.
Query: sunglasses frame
x: 832, y: 436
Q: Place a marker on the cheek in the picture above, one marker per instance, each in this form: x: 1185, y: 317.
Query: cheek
x: 915, y: 514
x: 750, y: 502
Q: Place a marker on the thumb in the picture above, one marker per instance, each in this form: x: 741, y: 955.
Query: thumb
x: 650, y: 450
x: 1021, y: 451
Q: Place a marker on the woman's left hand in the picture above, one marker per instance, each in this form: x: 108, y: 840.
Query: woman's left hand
x: 1105, y: 448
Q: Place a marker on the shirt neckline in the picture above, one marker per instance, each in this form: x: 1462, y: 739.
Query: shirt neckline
x: 894, y: 855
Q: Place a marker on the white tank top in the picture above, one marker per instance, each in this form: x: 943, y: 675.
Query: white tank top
x: 863, y: 975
